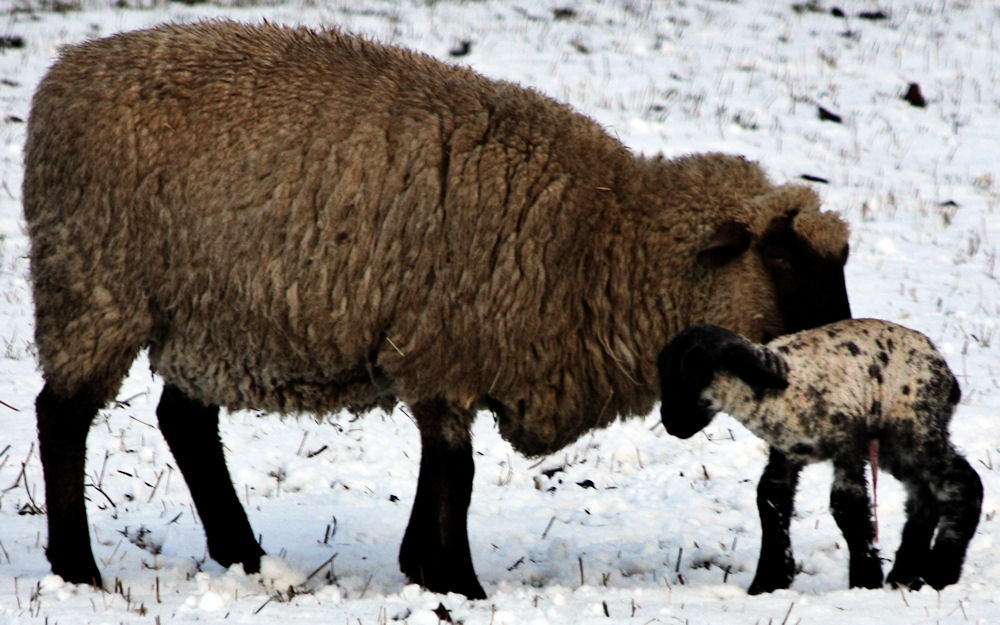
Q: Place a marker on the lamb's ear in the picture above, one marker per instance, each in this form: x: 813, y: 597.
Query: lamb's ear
x: 730, y: 239
x: 750, y: 365
x: 697, y: 366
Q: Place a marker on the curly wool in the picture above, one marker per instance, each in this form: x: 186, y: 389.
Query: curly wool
x: 294, y: 221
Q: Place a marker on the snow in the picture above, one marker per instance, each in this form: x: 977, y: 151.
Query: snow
x: 669, y: 531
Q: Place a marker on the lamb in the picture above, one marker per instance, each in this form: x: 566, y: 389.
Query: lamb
x: 296, y: 221
x: 836, y: 393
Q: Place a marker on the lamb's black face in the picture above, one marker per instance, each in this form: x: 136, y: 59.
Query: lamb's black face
x: 686, y: 367
x: 686, y: 419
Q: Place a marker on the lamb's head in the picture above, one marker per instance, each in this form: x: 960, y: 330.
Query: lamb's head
x: 689, y: 364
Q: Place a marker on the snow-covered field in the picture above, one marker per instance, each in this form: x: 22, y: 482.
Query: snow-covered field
x: 634, y: 526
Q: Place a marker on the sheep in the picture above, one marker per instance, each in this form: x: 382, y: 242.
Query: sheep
x: 295, y: 221
x: 838, y: 392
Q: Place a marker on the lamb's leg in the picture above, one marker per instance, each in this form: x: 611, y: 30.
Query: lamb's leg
x: 435, y: 550
x: 915, y: 545
x: 960, y: 493
x: 775, y: 498
x: 851, y: 509
x: 63, y: 423
x: 191, y: 430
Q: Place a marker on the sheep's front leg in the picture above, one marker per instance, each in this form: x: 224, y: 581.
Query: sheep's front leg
x: 435, y: 550
x: 850, y: 506
x: 775, y: 498
x: 191, y: 430
x: 63, y: 423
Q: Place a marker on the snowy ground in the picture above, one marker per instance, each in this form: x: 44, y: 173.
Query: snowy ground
x: 668, y: 533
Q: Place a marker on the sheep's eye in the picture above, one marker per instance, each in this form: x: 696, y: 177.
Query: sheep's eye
x: 778, y: 256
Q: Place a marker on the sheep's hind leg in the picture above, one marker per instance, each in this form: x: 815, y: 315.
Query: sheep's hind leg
x: 915, y: 545
x: 851, y: 509
x: 775, y: 498
x: 960, y: 493
x: 63, y: 424
x: 435, y: 550
x: 191, y: 430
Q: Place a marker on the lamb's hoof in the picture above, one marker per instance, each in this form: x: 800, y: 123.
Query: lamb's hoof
x: 940, y: 574
x: 867, y: 575
x: 904, y: 579
x: 938, y: 581
x: 945, y: 564
x: 871, y: 584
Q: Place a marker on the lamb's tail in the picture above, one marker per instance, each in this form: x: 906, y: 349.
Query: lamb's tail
x: 873, y: 463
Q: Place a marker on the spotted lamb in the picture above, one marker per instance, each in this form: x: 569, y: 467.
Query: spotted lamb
x: 839, y: 392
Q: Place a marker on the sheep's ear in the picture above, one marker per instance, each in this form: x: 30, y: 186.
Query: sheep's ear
x: 760, y: 373
x: 730, y: 240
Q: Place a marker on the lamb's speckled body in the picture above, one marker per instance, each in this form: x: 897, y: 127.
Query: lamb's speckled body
x: 850, y: 380
x: 837, y: 393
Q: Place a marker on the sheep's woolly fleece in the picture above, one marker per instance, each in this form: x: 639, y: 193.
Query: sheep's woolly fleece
x: 338, y: 220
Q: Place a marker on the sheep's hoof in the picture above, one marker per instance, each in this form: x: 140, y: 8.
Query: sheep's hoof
x: 82, y: 571
x: 772, y: 574
x: 229, y: 554
x: 438, y: 571
x: 761, y: 585
x: 436, y: 579
x: 761, y: 588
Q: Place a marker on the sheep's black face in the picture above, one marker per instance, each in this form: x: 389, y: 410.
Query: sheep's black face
x: 809, y: 286
x: 686, y: 366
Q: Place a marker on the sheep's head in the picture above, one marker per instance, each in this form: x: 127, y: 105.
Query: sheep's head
x: 804, y: 252
x: 689, y: 364
x: 773, y: 266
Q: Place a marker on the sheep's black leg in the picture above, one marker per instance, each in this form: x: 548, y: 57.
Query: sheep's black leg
x: 960, y: 493
x: 851, y: 509
x: 435, y: 550
x: 775, y: 498
x: 192, y: 432
x: 63, y: 423
x: 915, y: 545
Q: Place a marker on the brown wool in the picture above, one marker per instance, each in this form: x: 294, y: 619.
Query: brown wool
x: 293, y: 221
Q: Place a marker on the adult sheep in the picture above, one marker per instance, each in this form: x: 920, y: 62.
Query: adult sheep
x: 295, y: 221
